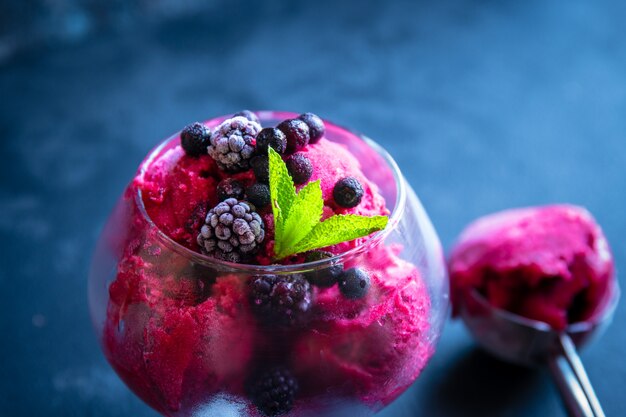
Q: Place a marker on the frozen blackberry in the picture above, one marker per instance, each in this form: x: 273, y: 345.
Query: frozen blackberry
x: 280, y: 299
x: 195, y: 138
x: 348, y: 192
x: 261, y: 167
x: 248, y: 115
x: 232, y: 143
x: 258, y: 194
x: 297, y: 134
x: 230, y: 188
x: 325, y: 277
x: 273, y: 391
x: 354, y: 283
x: 232, y: 231
x: 299, y: 167
x: 316, y: 126
x: 272, y: 137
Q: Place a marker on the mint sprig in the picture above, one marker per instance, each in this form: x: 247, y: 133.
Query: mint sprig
x: 282, y: 194
x: 297, y: 225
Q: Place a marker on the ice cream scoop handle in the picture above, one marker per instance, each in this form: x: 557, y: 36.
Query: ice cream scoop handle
x: 572, y: 380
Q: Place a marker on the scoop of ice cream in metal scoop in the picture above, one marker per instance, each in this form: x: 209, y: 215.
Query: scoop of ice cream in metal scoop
x: 533, y: 285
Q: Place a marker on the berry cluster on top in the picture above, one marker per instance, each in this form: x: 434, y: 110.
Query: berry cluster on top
x: 237, y: 140
x: 239, y: 144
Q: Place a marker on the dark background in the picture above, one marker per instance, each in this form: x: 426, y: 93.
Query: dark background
x: 484, y: 104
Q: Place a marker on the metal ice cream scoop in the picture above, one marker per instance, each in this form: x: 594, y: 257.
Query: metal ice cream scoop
x: 533, y: 343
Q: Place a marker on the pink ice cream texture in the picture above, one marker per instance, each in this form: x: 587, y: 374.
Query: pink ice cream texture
x: 176, y: 344
x: 551, y: 264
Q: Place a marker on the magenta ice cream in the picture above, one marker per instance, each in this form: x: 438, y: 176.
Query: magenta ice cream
x: 550, y: 264
x: 182, y: 333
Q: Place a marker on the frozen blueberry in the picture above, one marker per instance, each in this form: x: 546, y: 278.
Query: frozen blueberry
x: 297, y: 133
x: 272, y: 137
x: 258, y: 194
x: 354, y: 283
x: 299, y: 167
x: 195, y: 138
x: 261, y: 167
x: 230, y: 188
x: 315, y: 124
x: 348, y: 192
x: 248, y: 115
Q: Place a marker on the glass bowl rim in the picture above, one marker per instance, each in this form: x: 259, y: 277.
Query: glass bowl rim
x: 199, y: 258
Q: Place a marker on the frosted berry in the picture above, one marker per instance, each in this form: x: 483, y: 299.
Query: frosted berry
x: 248, y: 115
x: 348, y: 192
x: 195, y: 138
x: 232, y: 144
x: 261, y: 167
x: 297, y: 133
x: 230, y: 188
x: 273, y: 391
x: 280, y: 299
x: 316, y: 126
x: 258, y: 194
x: 354, y: 283
x: 299, y: 167
x: 232, y: 231
x: 271, y: 137
x: 324, y: 277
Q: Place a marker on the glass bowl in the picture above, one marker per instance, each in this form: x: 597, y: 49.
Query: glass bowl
x: 179, y: 329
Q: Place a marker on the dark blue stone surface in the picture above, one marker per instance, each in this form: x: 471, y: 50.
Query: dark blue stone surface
x: 484, y: 104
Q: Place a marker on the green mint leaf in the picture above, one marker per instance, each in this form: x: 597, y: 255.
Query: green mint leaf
x: 297, y: 226
x: 337, y: 229
x: 304, y: 215
x: 282, y: 194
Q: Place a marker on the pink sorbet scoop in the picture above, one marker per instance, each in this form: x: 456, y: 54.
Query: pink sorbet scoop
x: 551, y: 264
